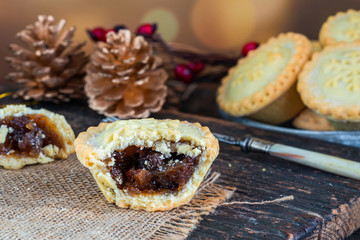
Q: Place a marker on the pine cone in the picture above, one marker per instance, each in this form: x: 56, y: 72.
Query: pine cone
x: 47, y: 66
x: 123, y: 78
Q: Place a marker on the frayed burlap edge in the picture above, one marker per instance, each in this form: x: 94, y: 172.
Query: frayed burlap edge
x: 185, y: 218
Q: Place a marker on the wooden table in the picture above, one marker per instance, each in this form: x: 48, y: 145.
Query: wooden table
x: 324, y: 206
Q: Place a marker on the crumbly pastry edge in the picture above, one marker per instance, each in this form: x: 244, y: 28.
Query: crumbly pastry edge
x: 273, y: 90
x: 49, y: 153
x: 325, y: 37
x: 337, y: 113
x: 88, y: 155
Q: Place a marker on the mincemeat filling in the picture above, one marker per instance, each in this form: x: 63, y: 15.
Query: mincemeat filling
x: 28, y: 134
x: 147, y: 171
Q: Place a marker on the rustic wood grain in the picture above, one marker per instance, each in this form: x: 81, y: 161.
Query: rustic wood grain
x: 325, y: 206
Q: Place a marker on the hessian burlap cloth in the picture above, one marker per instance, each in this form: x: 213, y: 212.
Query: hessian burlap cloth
x: 61, y: 200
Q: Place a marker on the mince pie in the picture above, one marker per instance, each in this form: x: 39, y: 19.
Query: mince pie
x: 148, y: 164
x: 309, y: 120
x: 29, y: 136
x: 330, y: 85
x: 262, y: 85
x: 342, y: 27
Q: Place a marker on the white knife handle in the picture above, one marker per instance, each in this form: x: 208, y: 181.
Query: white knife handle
x: 336, y: 165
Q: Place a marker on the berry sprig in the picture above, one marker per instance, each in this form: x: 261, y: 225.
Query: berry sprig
x: 183, y: 72
x: 186, y: 72
x: 99, y: 34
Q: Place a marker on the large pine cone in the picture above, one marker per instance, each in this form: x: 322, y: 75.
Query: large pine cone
x: 123, y: 78
x: 46, y: 65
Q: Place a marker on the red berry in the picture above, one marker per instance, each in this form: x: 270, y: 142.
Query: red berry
x: 183, y: 73
x: 249, y: 47
x: 147, y: 29
x: 97, y: 34
x: 196, y: 66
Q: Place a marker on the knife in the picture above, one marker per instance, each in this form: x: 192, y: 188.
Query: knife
x: 324, y: 162
x: 328, y: 163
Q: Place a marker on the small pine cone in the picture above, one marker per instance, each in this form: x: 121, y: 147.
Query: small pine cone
x: 47, y: 65
x: 123, y: 78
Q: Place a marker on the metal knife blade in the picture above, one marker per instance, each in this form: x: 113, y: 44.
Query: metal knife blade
x: 228, y: 139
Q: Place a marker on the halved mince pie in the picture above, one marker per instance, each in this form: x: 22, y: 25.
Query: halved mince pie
x: 148, y: 164
x: 29, y: 136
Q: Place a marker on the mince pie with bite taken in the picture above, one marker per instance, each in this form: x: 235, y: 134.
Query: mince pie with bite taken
x: 29, y: 136
x: 148, y: 164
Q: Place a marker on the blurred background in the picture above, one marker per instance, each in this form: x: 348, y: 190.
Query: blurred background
x: 212, y: 25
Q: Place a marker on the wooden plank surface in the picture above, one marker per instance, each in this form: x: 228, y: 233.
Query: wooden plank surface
x: 324, y: 206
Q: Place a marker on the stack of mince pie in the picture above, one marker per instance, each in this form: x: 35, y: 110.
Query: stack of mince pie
x: 316, y: 84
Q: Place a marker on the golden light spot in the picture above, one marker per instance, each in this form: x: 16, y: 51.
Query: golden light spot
x: 167, y: 22
x: 223, y: 25
x: 271, y: 17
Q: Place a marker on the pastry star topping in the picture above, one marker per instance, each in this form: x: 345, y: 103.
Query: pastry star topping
x: 256, y: 72
x: 253, y: 73
x: 345, y: 72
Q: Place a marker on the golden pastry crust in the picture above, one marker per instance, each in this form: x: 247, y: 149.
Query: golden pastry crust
x: 191, y: 139
x: 330, y: 83
x: 316, y: 46
x: 341, y: 27
x: 48, y: 153
x: 309, y: 120
x: 270, y: 70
